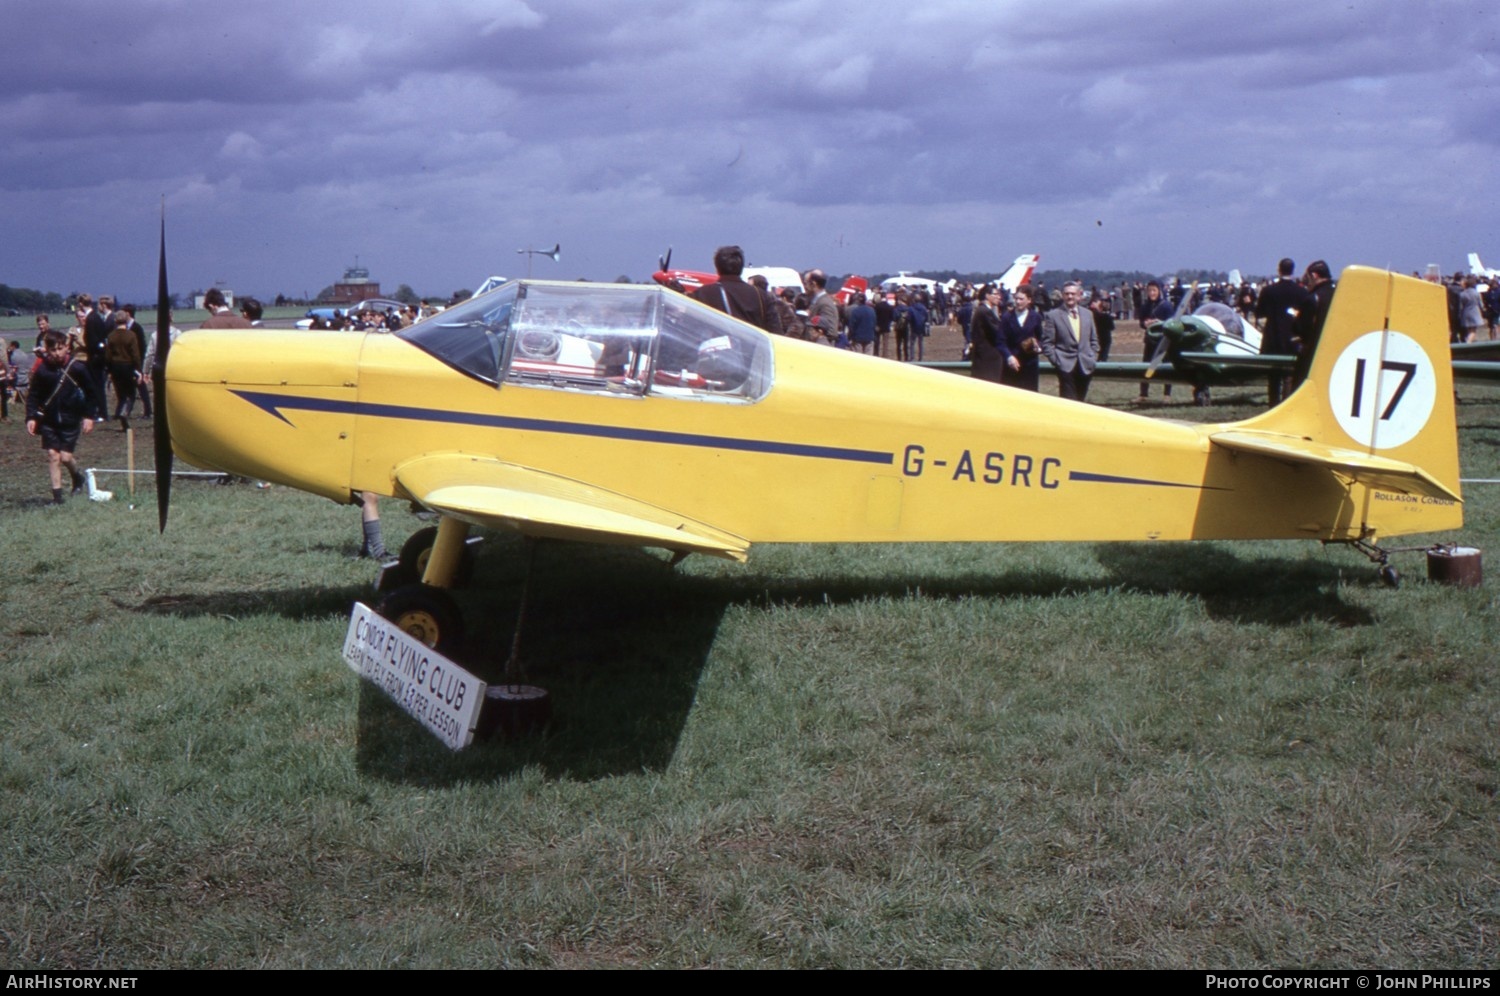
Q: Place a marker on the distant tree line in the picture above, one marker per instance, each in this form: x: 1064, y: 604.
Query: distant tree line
x: 1056, y: 278
x: 404, y: 294
x: 1113, y: 278
x: 26, y: 299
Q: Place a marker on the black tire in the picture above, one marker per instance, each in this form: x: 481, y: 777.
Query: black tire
x: 396, y: 575
x: 417, y: 550
x: 1389, y: 576
x: 428, y: 615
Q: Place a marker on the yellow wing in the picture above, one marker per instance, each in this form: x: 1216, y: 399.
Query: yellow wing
x: 1380, y: 473
x: 489, y: 492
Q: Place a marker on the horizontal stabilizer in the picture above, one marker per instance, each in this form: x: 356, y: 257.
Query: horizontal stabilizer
x: 1372, y: 471
x: 1489, y: 350
x: 1476, y: 370
x: 1245, y: 361
x: 491, y: 493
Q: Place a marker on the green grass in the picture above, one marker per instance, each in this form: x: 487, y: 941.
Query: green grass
x: 22, y: 328
x: 1109, y: 755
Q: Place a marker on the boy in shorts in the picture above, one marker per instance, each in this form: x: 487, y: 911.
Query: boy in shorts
x: 59, y: 406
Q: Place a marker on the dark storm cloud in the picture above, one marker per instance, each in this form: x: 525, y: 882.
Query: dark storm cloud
x: 433, y: 140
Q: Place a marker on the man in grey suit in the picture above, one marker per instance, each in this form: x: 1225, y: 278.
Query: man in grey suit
x: 1071, y: 344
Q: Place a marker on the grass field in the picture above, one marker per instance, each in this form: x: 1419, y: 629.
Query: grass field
x: 1231, y: 755
x: 23, y: 327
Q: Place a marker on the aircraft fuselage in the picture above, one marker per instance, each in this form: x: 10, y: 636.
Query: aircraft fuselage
x: 841, y: 448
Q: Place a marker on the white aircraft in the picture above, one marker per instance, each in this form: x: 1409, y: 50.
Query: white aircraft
x: 1481, y: 271
x: 779, y: 278
x: 1019, y: 273
x: 903, y: 280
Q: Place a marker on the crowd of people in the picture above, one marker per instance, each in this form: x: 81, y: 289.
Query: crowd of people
x: 67, y: 380
x: 1006, y: 333
x: 368, y: 319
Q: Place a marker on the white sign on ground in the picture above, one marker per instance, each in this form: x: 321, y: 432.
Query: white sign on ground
x: 436, y: 692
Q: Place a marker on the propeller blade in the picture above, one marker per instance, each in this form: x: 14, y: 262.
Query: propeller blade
x: 1162, y: 345
x: 664, y: 261
x: 1187, y: 300
x: 162, y: 429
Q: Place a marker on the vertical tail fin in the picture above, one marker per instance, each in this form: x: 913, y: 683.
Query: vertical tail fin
x: 1377, y: 406
x: 1019, y: 272
x: 852, y: 285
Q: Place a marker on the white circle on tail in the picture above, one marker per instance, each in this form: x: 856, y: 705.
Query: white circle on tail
x: 1383, y: 397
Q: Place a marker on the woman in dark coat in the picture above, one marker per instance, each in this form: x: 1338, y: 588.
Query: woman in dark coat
x: 988, y: 363
x: 1020, y: 343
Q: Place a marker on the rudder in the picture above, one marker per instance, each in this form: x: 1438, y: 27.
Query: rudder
x: 1380, y: 385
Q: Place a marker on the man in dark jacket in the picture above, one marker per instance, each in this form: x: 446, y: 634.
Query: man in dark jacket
x: 1278, y: 308
x: 97, y: 326
x: 861, y: 325
x: 1319, y: 283
x: 733, y: 296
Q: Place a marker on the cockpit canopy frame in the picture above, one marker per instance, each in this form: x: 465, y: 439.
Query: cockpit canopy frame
x: 619, y: 339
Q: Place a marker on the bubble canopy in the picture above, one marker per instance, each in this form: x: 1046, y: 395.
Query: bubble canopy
x: 626, y: 339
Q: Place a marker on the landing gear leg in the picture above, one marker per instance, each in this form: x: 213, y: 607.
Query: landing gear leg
x: 425, y: 610
x: 1386, y: 571
x: 416, y: 554
x: 514, y: 708
x: 444, y: 566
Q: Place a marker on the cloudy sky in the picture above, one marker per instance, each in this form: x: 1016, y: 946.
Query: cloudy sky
x: 432, y: 141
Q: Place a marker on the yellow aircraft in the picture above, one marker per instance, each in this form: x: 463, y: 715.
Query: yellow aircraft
x: 632, y: 414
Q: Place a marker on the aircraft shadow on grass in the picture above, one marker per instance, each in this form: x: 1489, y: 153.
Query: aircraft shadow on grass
x: 1268, y: 592
x: 621, y: 641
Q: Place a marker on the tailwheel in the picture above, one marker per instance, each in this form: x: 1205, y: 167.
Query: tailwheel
x: 427, y: 614
x: 1385, y: 570
x: 417, y: 550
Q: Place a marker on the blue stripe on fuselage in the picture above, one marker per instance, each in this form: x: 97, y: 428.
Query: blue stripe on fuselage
x: 1081, y: 475
x: 274, y: 404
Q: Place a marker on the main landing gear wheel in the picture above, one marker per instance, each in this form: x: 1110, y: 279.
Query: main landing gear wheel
x: 1389, y: 576
x: 393, y: 575
x: 428, y: 615
x: 417, y: 550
